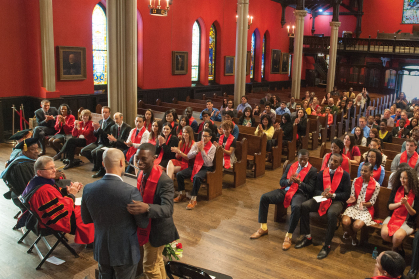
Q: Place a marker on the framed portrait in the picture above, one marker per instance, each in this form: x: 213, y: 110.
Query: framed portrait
x: 179, y: 62
x: 229, y: 65
x: 72, y: 63
x: 248, y: 57
x: 285, y: 62
x: 275, y: 61
x: 410, y: 12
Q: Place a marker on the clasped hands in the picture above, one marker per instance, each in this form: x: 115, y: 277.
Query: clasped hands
x: 137, y: 207
x: 295, y: 179
x: 111, y: 138
x: 49, y: 117
x: 74, y: 188
x: 403, y: 201
x: 327, y: 193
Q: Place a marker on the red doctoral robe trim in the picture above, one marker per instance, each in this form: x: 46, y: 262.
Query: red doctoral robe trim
x: 294, y: 186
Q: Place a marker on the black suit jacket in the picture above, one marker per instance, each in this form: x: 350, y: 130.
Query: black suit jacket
x: 40, y: 117
x: 395, y: 132
x: 307, y: 186
x: 104, y: 203
x: 123, y: 136
x: 342, y: 192
x: 102, y: 134
x: 163, y: 230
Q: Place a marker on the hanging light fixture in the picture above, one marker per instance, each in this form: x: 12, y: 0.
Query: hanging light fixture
x: 157, y: 9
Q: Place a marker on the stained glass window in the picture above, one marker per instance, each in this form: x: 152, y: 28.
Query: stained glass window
x: 252, y: 56
x: 410, y: 12
x: 100, y: 63
x: 196, y: 44
x: 262, y: 72
x: 211, y: 63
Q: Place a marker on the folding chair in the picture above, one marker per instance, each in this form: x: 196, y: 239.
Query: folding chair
x: 185, y: 271
x: 42, y: 233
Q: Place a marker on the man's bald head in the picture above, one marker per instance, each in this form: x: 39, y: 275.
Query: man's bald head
x: 114, y: 161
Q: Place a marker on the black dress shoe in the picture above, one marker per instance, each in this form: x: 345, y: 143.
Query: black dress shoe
x: 95, y: 169
x: 303, y: 243
x: 323, y: 252
x: 100, y: 173
x: 57, y: 157
x: 69, y: 165
x: 412, y: 274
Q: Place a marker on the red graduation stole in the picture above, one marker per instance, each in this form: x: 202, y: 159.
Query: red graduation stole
x: 158, y: 160
x: 333, y: 185
x: 185, y: 150
x: 377, y: 173
x: 368, y: 194
x: 345, y: 162
x: 201, y: 126
x: 152, y: 141
x: 172, y: 124
x: 192, y: 119
x: 227, y: 162
x: 294, y: 186
x: 135, y: 139
x: 148, y: 126
x: 382, y: 277
x: 413, y: 160
x: 399, y: 214
x: 148, y: 197
x: 199, y: 161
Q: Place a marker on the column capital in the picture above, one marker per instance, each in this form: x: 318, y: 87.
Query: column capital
x: 335, y: 24
x: 300, y: 13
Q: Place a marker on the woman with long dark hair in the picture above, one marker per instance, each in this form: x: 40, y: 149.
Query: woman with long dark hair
x: 247, y: 119
x: 301, y: 121
x: 166, y: 141
x: 170, y: 117
x: 373, y: 135
x: 375, y: 158
x: 256, y: 110
x: 149, y: 119
x: 64, y: 126
x: 182, y: 161
x: 287, y: 127
x: 401, y: 101
x: 266, y: 127
x: 359, y: 137
x: 156, y: 128
x: 351, y: 150
x: 326, y: 98
x: 337, y: 147
x: 183, y: 122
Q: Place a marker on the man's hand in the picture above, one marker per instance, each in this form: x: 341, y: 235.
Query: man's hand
x: 326, y: 192
x: 137, y: 207
x: 74, y: 188
x: 96, y: 125
x: 217, y: 113
x: 49, y: 117
x: 212, y: 113
x: 200, y: 146
x: 216, y: 144
x: 128, y: 143
x: 111, y: 138
x: 351, y: 199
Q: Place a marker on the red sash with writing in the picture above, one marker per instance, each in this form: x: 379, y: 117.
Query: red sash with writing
x: 191, y: 120
x: 199, y: 161
x: 294, y: 186
x: 333, y: 185
x: 158, y: 160
x: 370, y: 191
x: 400, y: 213
x: 185, y: 150
x: 345, y: 162
x: 148, y: 197
x: 135, y: 139
x: 413, y: 160
x: 227, y: 162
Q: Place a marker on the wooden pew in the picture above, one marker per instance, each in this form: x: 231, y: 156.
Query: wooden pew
x: 214, y: 179
x: 256, y: 152
x: 391, y: 146
x: 304, y: 139
x: 141, y: 104
x: 239, y: 168
x: 389, y: 153
x: 314, y: 129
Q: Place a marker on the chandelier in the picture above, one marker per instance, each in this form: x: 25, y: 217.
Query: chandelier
x: 157, y: 9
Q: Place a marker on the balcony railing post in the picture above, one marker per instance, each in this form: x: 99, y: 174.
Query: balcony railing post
x: 394, y: 45
x: 369, y: 43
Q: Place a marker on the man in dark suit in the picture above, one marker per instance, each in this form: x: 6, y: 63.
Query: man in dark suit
x: 297, y: 185
x: 104, y: 203
x: 333, y: 184
x: 266, y: 99
x: 45, y: 116
x: 101, y: 132
x: 117, y: 138
x: 157, y: 191
x: 402, y: 131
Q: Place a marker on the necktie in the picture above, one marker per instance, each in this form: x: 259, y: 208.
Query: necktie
x: 299, y: 169
x: 103, y: 124
x: 119, y: 130
x: 136, y: 133
x: 142, y: 185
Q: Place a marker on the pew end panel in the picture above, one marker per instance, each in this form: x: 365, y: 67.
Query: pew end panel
x: 239, y: 168
x: 215, y: 178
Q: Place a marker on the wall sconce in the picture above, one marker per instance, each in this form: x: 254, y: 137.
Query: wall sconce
x: 158, y: 9
x: 291, y: 34
x: 249, y: 20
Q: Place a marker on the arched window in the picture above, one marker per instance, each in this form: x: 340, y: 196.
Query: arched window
x: 252, y: 55
x: 100, y: 63
x: 212, y: 53
x: 262, y: 72
x: 196, y: 45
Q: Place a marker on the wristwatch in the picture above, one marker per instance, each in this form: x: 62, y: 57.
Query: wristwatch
x: 148, y: 209
x: 333, y: 196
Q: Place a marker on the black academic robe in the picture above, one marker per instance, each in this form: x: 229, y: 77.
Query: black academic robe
x: 18, y: 174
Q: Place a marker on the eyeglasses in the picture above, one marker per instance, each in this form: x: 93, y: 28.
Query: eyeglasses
x: 50, y: 169
x: 206, y: 136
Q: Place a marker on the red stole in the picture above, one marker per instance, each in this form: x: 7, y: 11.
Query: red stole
x: 377, y: 173
x: 172, y: 124
x: 413, y: 160
x: 294, y: 186
x: 370, y: 191
x: 400, y: 213
x: 148, y: 197
x: 148, y: 127
x: 201, y: 126
x: 185, y: 150
x: 227, y: 162
x: 382, y: 277
x: 333, y: 185
x: 345, y: 162
x: 158, y: 160
x: 199, y: 161
x: 152, y: 141
x: 192, y: 119
x: 135, y: 139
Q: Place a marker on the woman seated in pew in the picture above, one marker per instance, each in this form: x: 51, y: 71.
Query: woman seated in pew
x: 383, y: 134
x: 149, y: 119
x: 350, y: 109
x: 359, y: 137
x: 82, y: 136
x: 360, y: 211
x: 286, y: 126
x: 275, y: 103
x: 337, y: 148
x: 247, y: 119
x: 306, y: 107
x: 376, y: 144
x: 155, y: 132
x: 256, y: 110
x: 301, y: 121
x: 342, y: 107
x: 64, y: 126
x: 375, y: 158
x: 229, y: 107
x: 182, y: 161
x: 359, y: 101
x: 225, y: 104
x: 329, y: 116
x: 215, y: 131
x: 183, y: 122
x: 411, y: 126
x: 373, y: 135
x: 341, y: 99
x: 403, y: 205
x: 170, y: 117
x: 389, y: 265
x: 166, y: 142
x: 314, y: 105
x: 399, y: 167
x: 228, y: 144
x: 393, y: 111
x: 351, y: 150
x: 266, y: 127
x: 326, y: 98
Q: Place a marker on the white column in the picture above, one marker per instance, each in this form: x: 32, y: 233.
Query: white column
x: 331, y: 73
x: 47, y: 45
x: 241, y: 50
x: 298, y: 52
x: 122, y: 58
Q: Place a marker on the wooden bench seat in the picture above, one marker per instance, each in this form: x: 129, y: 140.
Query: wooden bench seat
x: 239, y: 168
x: 256, y: 152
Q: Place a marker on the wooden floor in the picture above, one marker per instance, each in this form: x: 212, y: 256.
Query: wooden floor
x: 215, y: 236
